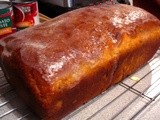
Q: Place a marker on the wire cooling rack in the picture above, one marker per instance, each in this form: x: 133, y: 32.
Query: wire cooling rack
x: 136, y: 97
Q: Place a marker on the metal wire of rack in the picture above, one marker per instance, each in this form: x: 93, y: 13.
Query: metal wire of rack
x: 130, y: 99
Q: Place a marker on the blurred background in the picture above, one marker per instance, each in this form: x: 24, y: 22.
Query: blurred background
x: 53, y: 8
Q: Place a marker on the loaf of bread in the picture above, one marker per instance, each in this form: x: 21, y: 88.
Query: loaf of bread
x: 61, y: 64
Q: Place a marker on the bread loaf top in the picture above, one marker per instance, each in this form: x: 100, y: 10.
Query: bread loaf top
x: 77, y: 39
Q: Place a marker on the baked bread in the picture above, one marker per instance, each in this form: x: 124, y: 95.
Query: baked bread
x: 61, y: 64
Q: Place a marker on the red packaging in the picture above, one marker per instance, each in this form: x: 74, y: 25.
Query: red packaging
x: 26, y: 13
x: 6, y: 19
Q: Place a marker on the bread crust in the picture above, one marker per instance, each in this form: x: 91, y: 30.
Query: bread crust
x: 63, y: 63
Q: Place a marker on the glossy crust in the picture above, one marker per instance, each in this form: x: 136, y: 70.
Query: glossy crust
x: 59, y: 65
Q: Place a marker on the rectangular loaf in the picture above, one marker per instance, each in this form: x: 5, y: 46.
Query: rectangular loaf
x: 63, y: 63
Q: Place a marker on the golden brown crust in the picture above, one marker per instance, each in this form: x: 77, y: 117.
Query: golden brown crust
x: 63, y: 63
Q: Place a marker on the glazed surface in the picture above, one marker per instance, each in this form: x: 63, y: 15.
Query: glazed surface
x: 63, y: 44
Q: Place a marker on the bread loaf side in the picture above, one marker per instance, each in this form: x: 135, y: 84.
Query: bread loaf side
x: 63, y: 63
